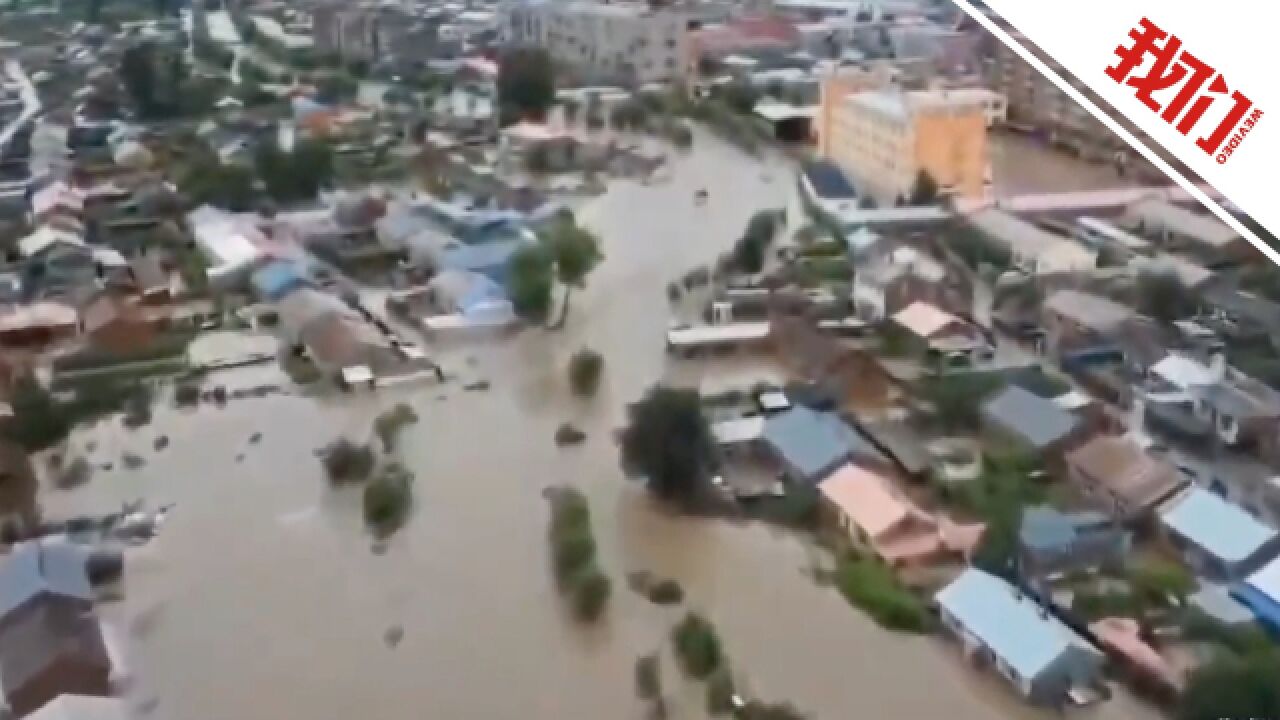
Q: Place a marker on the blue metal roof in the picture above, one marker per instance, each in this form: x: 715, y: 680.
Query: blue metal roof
x: 812, y: 441
x: 277, y: 279
x: 1012, y: 624
x: 1220, y: 528
x: 38, y: 567
x: 828, y: 181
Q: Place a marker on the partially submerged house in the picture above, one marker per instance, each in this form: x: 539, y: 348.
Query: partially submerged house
x: 877, y: 516
x: 1217, y: 538
x: 232, y: 244
x: 461, y: 299
x: 1180, y: 228
x: 1076, y: 322
x: 940, y: 333
x: 1240, y: 410
x: 1123, y: 479
x: 809, y: 445
x: 1001, y: 627
x: 1051, y: 541
x: 1031, y: 248
x: 49, y: 650
x: 892, y: 281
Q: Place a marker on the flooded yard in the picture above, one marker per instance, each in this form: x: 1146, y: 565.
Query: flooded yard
x: 262, y: 598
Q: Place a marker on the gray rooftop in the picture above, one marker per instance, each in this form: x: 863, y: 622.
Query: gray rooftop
x: 1037, y: 421
x: 812, y: 442
x: 42, y: 567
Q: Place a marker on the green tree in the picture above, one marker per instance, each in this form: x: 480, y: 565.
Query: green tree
x: 748, y: 255
x: 1163, y: 297
x: 209, y: 181
x: 388, y: 499
x: 697, y: 646
x: 584, y: 371
x: 1159, y: 583
x: 40, y: 421
x: 530, y: 281
x: 575, y: 252
x: 526, y: 83
x: 925, y: 190
x: 297, y: 175
x: 1233, y: 687
x: 667, y: 441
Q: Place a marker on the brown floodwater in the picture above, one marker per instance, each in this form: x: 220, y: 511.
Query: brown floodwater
x: 262, y: 598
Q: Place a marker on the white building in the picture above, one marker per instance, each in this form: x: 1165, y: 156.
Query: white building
x: 626, y: 42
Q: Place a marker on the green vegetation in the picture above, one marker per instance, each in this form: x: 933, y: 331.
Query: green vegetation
x: 158, y: 80
x: 43, y: 421
x: 720, y: 691
x: 697, y: 646
x: 388, y: 499
x: 346, y: 462
x: 975, y: 249
x: 668, y: 442
x: 871, y: 586
x: 924, y: 191
x: 1161, y: 583
x: 629, y: 115
x: 531, y: 281
x: 749, y: 251
x: 526, y: 84
x: 388, y: 425
x: 573, y: 554
x: 957, y: 398
x: 585, y: 368
x: 206, y: 180
x: 997, y: 498
x: 1233, y: 686
x: 1162, y: 296
x: 575, y: 251
x: 648, y: 675
x: 296, y: 175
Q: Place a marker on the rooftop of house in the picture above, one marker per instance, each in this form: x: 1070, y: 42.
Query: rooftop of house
x: 903, y: 106
x: 1094, y: 312
x: 1205, y: 229
x: 45, y: 635
x: 1037, y: 421
x: 813, y: 441
x: 1220, y: 528
x: 1020, y: 236
x: 925, y: 319
x: 1126, y: 470
x: 1017, y: 629
x: 1049, y: 529
x: 40, y: 567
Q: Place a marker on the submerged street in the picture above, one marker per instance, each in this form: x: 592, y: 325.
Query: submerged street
x: 263, y: 599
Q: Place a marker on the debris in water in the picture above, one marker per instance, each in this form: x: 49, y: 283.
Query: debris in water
x: 90, y: 446
x: 379, y: 547
x: 161, y: 442
x: 220, y: 395
x: 132, y: 461
x: 239, y: 457
x: 568, y: 434
x: 106, y: 466
x: 477, y: 385
x: 255, y: 438
x: 393, y: 636
x: 148, y: 706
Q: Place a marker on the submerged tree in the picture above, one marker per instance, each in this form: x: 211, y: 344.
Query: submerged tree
x: 526, y: 83
x: 925, y: 189
x: 668, y: 441
x: 530, y: 282
x: 576, y: 252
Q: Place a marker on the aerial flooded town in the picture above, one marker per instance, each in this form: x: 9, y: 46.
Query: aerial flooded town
x: 595, y: 359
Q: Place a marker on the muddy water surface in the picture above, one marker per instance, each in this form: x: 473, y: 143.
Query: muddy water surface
x: 262, y: 597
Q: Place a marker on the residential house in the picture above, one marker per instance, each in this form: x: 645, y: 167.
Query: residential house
x: 1241, y: 410
x: 890, y: 282
x: 1031, y: 248
x: 57, y: 200
x: 1121, y: 477
x: 1201, y: 235
x: 554, y: 150
x: 151, y: 279
x: 1051, y: 541
x: 52, y: 649
x: 809, y: 445
x: 38, y: 323
x: 278, y: 278
x: 1121, y: 637
x: 941, y: 333
x: 1217, y: 538
x: 115, y: 324
x: 1002, y: 627
x: 1260, y: 592
x: 43, y: 570
x: 1076, y: 321
x: 81, y: 707
x: 877, y: 516
x: 231, y: 243
x: 334, y: 336
x: 474, y: 297
x: 1027, y: 422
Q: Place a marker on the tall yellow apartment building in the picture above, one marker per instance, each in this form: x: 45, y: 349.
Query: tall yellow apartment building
x: 883, y: 138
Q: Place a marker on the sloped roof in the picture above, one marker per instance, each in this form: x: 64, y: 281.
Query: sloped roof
x: 1220, y: 528
x: 1037, y: 421
x: 812, y: 441
x: 1013, y: 625
x: 868, y: 500
x: 39, y: 567
x: 924, y: 319
x: 1091, y: 311
x: 1126, y: 470
x: 1047, y: 528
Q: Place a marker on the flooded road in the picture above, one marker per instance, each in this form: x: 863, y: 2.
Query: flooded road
x: 262, y: 597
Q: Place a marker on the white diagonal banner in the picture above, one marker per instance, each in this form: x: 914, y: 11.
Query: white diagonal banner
x: 1197, y: 77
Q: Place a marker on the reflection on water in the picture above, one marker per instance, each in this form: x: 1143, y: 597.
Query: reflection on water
x: 262, y: 597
